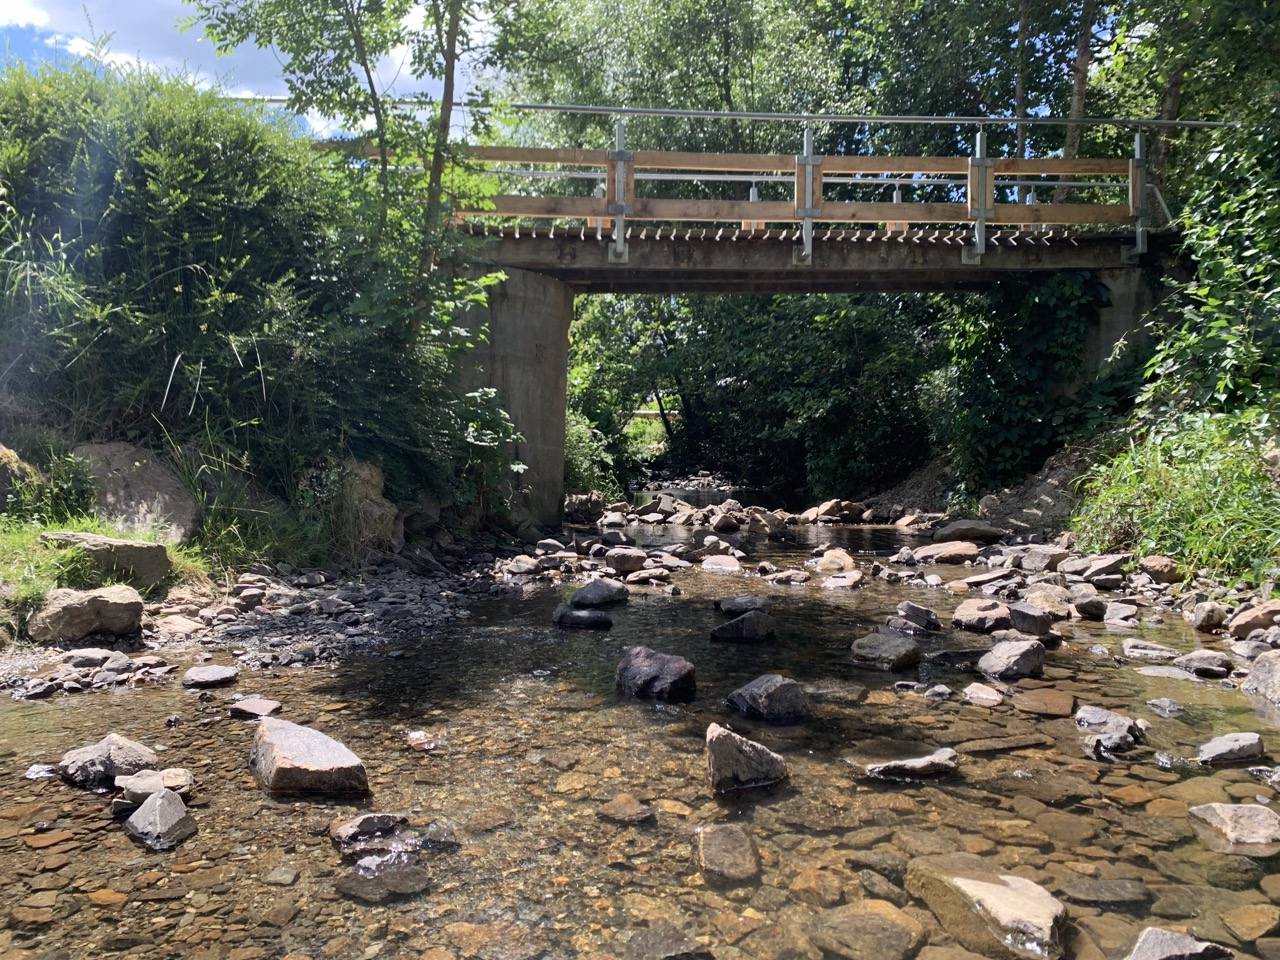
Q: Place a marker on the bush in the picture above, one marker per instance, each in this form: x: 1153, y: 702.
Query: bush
x: 1200, y: 493
x: 588, y: 464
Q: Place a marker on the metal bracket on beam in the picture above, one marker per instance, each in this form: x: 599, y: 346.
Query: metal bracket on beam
x: 615, y: 256
x: 620, y: 208
x: 808, y: 211
x: 624, y: 156
x: 971, y: 255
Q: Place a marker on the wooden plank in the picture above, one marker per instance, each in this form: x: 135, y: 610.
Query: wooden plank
x: 507, y: 205
x: 537, y: 155
x: 974, y: 201
x: 1062, y: 168
x: 714, y: 210
x: 714, y: 162
x: 1068, y: 213
x: 853, y: 211
x: 906, y: 165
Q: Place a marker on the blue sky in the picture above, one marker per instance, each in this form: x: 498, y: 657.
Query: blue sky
x: 142, y: 31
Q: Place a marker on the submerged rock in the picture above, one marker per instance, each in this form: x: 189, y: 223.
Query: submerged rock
x: 96, y: 766
x: 1249, y: 829
x: 1012, y: 659
x: 743, y: 603
x: 727, y: 854
x: 292, y: 760
x: 649, y: 675
x: 994, y: 914
x: 376, y: 878
x: 210, y: 675
x: 569, y: 616
x: 1156, y: 943
x: 626, y: 808
x: 771, y: 697
x: 599, y: 592
x: 736, y: 763
x: 939, y: 763
x: 750, y: 627
x: 662, y: 940
x: 885, y: 651
x: 1230, y: 748
x: 162, y: 822
x: 867, y: 930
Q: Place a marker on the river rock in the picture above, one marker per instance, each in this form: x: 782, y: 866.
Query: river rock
x: 1049, y: 599
x: 958, y: 551
x: 70, y: 615
x: 140, y: 786
x: 138, y: 562
x: 995, y: 915
x: 736, y: 763
x: 1208, y: 616
x: 1258, y: 617
x: 649, y: 675
x: 96, y: 658
x: 1137, y: 649
x: 1156, y: 943
x: 1112, y: 894
x: 599, y: 593
x: 1254, y: 830
x: 978, y: 530
x: 885, y: 651
x: 254, y: 708
x: 292, y: 760
x: 565, y: 615
x: 843, y: 581
x: 626, y: 559
x: 922, y: 617
x: 867, y: 930
x: 981, y: 615
x: 1120, y: 611
x: 661, y: 940
x: 727, y: 854
x: 97, y: 765
x: 1205, y: 663
x: 1043, y: 559
x: 522, y: 566
x: 982, y: 695
x: 626, y: 808
x: 378, y: 877
x: 835, y: 561
x: 1091, y: 608
x: 751, y: 627
x: 1160, y: 569
x: 937, y: 764
x: 771, y: 697
x: 139, y: 491
x: 210, y: 675
x: 743, y: 603
x: 722, y: 564
x: 1264, y: 677
x: 1230, y: 748
x: 1030, y: 619
x: 1110, y: 732
x: 1012, y: 659
x: 162, y: 822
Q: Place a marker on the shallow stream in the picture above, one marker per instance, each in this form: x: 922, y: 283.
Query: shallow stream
x: 529, y: 741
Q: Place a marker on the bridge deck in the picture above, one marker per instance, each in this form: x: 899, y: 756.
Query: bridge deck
x: 729, y: 260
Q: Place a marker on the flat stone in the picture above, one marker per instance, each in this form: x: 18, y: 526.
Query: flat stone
x: 96, y: 766
x: 959, y: 551
x: 982, y: 695
x: 280, y: 877
x: 1230, y: 747
x: 1247, y: 829
x: 751, y: 627
x: 661, y: 940
x: 144, y: 784
x: 981, y: 615
x: 939, y: 763
x: 162, y: 822
x: 1252, y: 921
x: 743, y: 603
x: 1045, y: 703
x: 978, y: 530
x: 210, y: 675
x: 1030, y: 619
x: 727, y: 854
x: 1156, y: 943
x: 772, y: 698
x: 599, y: 592
x: 292, y: 760
x: 254, y: 708
x: 137, y: 562
x: 1114, y: 894
x: 626, y: 808
x: 647, y: 674
x: 1258, y: 617
x: 1213, y: 664
x: 736, y: 763
x: 867, y: 930
x: 885, y: 651
x: 996, y: 915
x: 1137, y: 649
x: 722, y: 564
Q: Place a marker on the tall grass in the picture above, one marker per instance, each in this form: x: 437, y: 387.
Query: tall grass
x: 1200, y: 492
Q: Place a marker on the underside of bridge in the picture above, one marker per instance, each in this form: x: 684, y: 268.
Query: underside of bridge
x: 528, y: 315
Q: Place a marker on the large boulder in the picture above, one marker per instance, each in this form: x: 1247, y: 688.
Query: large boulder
x: 885, y: 651
x: 139, y: 491
x: 1264, y: 677
x: 771, y: 697
x: 982, y: 615
x: 71, y: 615
x: 996, y: 915
x: 952, y: 551
x: 141, y: 563
x: 13, y: 471
x: 978, y: 530
x: 626, y: 559
x: 599, y: 593
x: 97, y: 765
x: 1258, y: 617
x: 647, y: 674
x: 867, y: 930
x: 1011, y: 659
x: 374, y: 514
x: 736, y: 763
x: 289, y: 760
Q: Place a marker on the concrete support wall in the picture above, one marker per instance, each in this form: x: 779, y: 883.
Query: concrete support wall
x: 1131, y: 301
x: 526, y: 360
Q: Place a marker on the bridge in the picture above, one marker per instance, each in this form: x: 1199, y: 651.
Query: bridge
x: 830, y: 224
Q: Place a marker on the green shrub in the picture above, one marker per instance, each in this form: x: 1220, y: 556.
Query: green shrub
x: 588, y: 464
x: 1200, y: 493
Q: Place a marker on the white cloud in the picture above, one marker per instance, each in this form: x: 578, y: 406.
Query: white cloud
x: 23, y: 13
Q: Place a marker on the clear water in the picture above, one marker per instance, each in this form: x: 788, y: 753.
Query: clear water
x: 530, y: 741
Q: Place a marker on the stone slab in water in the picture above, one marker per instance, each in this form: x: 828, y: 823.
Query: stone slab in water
x: 97, y: 765
x: 743, y: 603
x: 162, y: 822
x: 599, y: 593
x: 141, y: 786
x: 626, y: 808
x: 255, y: 708
x: 662, y: 940
x: 649, y: 675
x: 292, y: 760
x: 956, y: 552
x: 750, y: 627
x: 939, y: 763
x: 1137, y: 649
x: 885, y: 651
x: 771, y: 697
x: 727, y: 854
x: 1230, y: 748
x: 210, y: 675
x: 867, y: 930
x: 1012, y: 659
x: 993, y: 914
x: 1246, y: 829
x: 571, y: 617
x: 736, y: 763
x: 1045, y: 703
x: 722, y: 564
x: 981, y: 615
x: 1156, y: 943
x: 1110, y: 894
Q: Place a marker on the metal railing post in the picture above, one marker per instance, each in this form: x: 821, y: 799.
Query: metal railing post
x: 808, y: 209
x: 619, y: 156
x: 1138, y: 194
x: 981, y: 192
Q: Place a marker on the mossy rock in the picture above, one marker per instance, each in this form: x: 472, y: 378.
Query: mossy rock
x: 13, y: 470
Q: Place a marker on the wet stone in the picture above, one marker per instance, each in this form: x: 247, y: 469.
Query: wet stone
x: 1247, y: 829
x: 663, y: 941
x: 162, y: 822
x: 727, y: 854
x: 744, y: 603
x: 97, y: 765
x: 885, y: 651
x: 210, y: 675
x: 569, y: 616
x: 867, y: 930
x: 736, y: 763
x: 377, y: 878
x: 1205, y: 663
x: 1147, y: 650
x: 599, y: 592
x: 1109, y: 894
x: 1156, y: 943
x: 772, y: 698
x: 649, y: 675
x: 254, y: 708
x: 750, y: 627
x: 937, y: 764
x: 292, y: 760
x: 626, y: 808
x: 1230, y: 748
x: 1045, y: 703
x: 1013, y: 659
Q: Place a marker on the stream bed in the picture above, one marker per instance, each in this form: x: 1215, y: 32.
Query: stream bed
x: 526, y: 741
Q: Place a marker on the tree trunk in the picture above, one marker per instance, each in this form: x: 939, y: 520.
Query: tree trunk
x: 449, y: 68
x: 1170, y: 107
x: 1020, y: 88
x: 1079, y: 85
x: 666, y: 421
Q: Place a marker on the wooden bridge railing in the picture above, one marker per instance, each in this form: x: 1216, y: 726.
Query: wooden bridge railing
x: 976, y: 182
